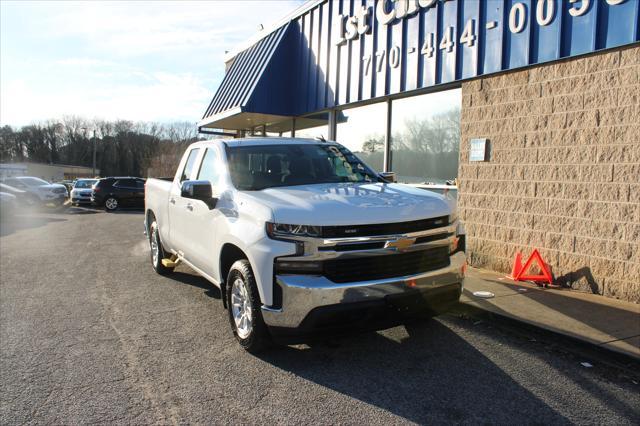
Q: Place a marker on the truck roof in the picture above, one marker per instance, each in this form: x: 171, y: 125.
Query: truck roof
x: 265, y: 141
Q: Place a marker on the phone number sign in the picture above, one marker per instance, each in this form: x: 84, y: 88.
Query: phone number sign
x: 364, y: 49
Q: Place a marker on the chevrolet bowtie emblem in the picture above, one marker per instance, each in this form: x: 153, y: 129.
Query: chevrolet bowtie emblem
x: 400, y: 244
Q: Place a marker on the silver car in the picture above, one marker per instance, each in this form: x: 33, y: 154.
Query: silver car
x: 81, y: 192
x: 45, y: 192
x: 8, y: 206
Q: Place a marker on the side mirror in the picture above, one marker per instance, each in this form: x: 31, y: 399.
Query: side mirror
x: 198, y: 190
x: 389, y: 176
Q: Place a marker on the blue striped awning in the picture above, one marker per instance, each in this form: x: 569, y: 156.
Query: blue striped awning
x: 249, y: 83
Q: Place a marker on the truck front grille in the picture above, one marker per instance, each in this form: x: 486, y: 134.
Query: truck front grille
x: 384, y: 228
x: 387, y: 266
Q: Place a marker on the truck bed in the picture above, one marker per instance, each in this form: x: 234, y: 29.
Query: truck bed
x: 156, y: 198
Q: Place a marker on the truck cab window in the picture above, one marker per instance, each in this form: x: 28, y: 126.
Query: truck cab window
x: 210, y: 169
x: 188, y: 167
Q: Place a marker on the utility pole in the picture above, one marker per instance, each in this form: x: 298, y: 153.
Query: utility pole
x: 94, y: 153
x: 94, y: 149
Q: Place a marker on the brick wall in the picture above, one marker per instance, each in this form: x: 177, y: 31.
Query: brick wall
x: 564, y: 171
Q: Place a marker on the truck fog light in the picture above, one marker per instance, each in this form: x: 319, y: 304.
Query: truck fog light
x: 300, y: 267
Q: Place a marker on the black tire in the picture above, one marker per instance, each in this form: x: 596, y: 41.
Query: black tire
x: 258, y: 337
x: 111, y: 204
x: 156, y: 261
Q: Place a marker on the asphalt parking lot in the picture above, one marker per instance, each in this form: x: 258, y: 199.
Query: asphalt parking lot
x: 90, y: 334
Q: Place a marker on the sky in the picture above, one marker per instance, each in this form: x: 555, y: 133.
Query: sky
x: 140, y: 61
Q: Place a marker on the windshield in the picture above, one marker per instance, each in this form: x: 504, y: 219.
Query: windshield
x: 257, y: 167
x: 32, y: 181
x: 85, y: 183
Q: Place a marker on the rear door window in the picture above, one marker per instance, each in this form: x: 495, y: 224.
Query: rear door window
x: 190, y: 164
x: 14, y: 182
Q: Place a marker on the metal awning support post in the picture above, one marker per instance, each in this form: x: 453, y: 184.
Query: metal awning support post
x: 387, y: 140
x: 332, y: 125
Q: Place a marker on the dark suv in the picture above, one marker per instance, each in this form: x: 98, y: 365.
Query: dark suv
x: 114, y: 192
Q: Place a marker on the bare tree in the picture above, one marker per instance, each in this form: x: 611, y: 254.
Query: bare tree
x: 122, y: 147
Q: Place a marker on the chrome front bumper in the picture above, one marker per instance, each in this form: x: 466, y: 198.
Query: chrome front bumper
x: 303, y: 293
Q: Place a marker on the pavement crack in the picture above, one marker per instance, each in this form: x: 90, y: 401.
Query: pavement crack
x: 162, y: 408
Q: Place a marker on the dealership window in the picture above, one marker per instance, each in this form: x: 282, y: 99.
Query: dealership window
x: 280, y: 128
x: 362, y: 130
x: 315, y: 126
x: 425, y: 137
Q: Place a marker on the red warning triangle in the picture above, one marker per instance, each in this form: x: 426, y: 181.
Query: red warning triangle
x: 517, y: 267
x: 546, y: 273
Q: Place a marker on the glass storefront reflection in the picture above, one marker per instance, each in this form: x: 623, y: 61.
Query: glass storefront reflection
x: 425, y: 137
x: 362, y: 130
x: 314, y: 126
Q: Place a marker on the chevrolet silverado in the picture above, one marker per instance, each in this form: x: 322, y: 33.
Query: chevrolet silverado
x: 301, y: 237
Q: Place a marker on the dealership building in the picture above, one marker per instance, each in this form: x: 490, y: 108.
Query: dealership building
x: 532, y: 105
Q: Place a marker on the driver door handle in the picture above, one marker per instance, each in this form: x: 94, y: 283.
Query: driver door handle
x: 172, y: 200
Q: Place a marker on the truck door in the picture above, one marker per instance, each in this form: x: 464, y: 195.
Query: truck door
x: 203, y: 221
x: 179, y: 208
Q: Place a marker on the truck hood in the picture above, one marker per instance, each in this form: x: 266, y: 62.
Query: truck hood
x: 351, y: 203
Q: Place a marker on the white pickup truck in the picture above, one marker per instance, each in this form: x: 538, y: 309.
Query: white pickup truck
x: 303, y: 238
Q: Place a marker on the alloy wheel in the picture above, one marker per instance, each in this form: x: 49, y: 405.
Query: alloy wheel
x: 111, y: 203
x: 241, y: 308
x: 155, y: 251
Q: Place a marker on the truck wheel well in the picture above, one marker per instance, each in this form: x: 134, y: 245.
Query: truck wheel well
x: 228, y: 256
x: 148, y: 221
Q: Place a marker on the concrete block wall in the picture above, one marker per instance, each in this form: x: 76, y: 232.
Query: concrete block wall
x: 564, y: 170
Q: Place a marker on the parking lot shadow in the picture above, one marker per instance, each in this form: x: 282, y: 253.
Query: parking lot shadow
x: 128, y: 211
x: 81, y: 210
x: 15, y: 224
x: 431, y: 376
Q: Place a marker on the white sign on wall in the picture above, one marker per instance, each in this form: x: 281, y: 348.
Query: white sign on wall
x: 478, y: 151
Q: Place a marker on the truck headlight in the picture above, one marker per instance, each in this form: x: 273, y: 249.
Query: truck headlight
x: 278, y: 231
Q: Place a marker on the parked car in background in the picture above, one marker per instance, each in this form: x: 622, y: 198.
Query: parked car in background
x: 8, y: 206
x: 46, y: 193
x: 115, y: 192
x: 67, y: 184
x: 23, y: 198
x: 82, y: 190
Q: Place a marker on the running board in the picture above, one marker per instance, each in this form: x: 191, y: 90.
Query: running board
x: 180, y: 257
